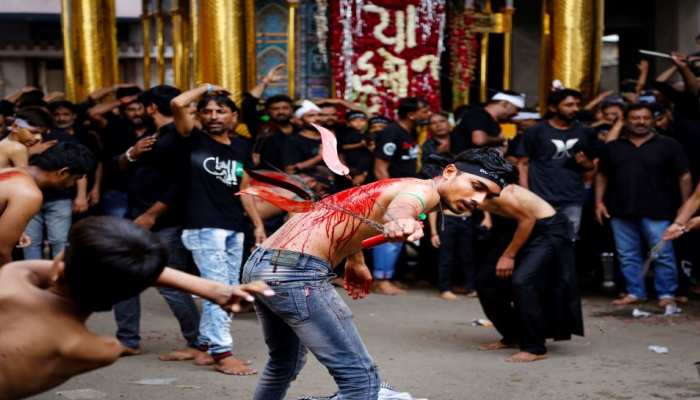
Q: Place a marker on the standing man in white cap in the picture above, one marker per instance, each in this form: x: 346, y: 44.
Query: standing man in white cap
x: 479, y: 127
x: 303, y: 150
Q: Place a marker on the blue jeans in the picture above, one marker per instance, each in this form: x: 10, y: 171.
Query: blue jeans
x: 384, y: 258
x: 630, y: 234
x: 56, y: 216
x: 218, y: 254
x: 115, y: 203
x: 128, y: 312
x: 307, y: 313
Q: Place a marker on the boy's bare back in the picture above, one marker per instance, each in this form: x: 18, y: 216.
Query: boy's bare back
x: 43, y: 339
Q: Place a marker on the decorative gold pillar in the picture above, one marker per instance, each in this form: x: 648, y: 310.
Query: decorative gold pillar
x: 89, y: 45
x: 220, y: 45
x: 573, y: 43
x: 484, y: 59
x: 160, y: 42
x: 291, y: 47
x: 181, y: 48
x: 507, y: 45
x: 250, y: 45
x: 146, y: 28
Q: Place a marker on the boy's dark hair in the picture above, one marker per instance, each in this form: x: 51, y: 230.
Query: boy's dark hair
x: 220, y: 99
x: 279, y: 98
x: 557, y: 96
x: 490, y: 160
x: 408, y: 105
x: 160, y: 96
x: 7, y: 108
x: 638, y: 106
x: 76, y: 157
x: 111, y: 259
x: 54, y: 105
x: 36, y: 117
x: 326, y: 104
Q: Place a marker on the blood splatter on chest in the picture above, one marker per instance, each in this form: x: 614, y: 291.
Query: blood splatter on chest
x: 337, y: 225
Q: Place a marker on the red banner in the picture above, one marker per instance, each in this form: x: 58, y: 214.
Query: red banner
x: 383, y: 50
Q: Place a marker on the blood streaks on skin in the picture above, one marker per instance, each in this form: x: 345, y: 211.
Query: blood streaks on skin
x: 9, y: 174
x: 339, y: 226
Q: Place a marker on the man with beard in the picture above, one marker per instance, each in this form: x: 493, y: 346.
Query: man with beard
x: 643, y: 178
x: 215, y: 218
x: 25, y: 133
x: 303, y: 149
x: 396, y: 156
x: 154, y: 165
x: 555, y: 154
x: 118, y: 133
x: 479, y: 127
x: 271, y: 135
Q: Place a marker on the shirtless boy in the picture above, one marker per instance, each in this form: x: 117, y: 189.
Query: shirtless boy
x: 542, y: 299
x: 298, y: 260
x: 44, y: 340
x: 26, y: 131
x: 20, y: 189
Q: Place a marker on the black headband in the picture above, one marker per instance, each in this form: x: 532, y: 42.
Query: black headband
x: 469, y: 168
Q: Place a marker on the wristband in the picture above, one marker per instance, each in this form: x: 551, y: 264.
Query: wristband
x: 210, y: 88
x: 128, y: 154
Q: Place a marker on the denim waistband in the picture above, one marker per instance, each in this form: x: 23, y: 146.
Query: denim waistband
x: 276, y: 266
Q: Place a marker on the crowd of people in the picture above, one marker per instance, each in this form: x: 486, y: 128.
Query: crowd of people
x: 614, y: 175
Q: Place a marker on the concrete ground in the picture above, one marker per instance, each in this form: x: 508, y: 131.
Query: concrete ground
x: 427, y: 346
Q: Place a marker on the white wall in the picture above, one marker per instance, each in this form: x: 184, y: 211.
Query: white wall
x: 125, y: 8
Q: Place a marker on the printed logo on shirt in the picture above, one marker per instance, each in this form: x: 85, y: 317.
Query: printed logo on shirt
x: 225, y: 170
x: 563, y: 148
x: 389, y: 149
x: 412, y: 152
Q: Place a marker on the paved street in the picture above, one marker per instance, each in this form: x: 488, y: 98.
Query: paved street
x: 427, y: 346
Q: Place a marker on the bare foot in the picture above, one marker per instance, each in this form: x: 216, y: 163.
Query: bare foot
x: 472, y: 295
x: 188, y: 353
x: 447, y: 295
x: 681, y: 299
x: 203, y: 358
x: 495, y: 346
x: 525, y: 357
x: 233, y: 366
x: 131, y: 351
x: 388, y: 288
x: 627, y: 300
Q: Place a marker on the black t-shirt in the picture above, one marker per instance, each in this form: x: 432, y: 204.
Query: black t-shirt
x: 430, y: 169
x: 399, y: 147
x: 271, y: 147
x: 359, y: 160
x: 117, y: 137
x: 214, y: 177
x: 156, y: 175
x: 299, y: 148
x: 473, y: 120
x: 643, y: 182
x: 79, y: 136
x: 553, y: 172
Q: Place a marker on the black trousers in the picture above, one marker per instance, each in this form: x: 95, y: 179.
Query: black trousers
x: 519, y: 307
x: 456, y: 251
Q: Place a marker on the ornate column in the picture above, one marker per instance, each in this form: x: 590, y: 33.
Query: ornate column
x: 181, y: 44
x: 220, y: 44
x: 572, y: 34
x: 89, y: 45
x: 291, y: 46
x: 146, y: 28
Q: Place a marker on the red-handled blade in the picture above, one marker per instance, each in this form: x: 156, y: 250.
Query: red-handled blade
x: 373, y: 241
